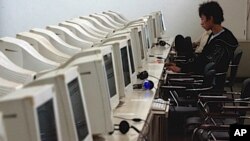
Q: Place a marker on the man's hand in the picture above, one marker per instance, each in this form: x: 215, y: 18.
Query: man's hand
x: 174, y: 68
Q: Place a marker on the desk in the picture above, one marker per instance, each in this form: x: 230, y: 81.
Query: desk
x: 138, y: 103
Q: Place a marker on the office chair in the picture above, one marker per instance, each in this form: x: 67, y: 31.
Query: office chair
x: 210, y: 120
x: 234, y: 68
x: 183, y: 99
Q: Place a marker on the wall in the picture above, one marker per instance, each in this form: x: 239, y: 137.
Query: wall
x: 181, y: 16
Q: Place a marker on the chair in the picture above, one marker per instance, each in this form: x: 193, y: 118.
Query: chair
x: 214, y: 125
x: 234, y: 68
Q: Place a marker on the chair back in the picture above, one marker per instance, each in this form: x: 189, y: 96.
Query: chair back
x: 234, y: 66
x: 208, y: 67
x: 245, y: 93
x: 209, y: 78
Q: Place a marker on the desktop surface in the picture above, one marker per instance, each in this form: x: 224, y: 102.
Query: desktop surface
x: 137, y: 104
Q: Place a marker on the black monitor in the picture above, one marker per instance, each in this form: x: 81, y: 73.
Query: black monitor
x: 125, y: 64
x: 46, y: 120
x: 110, y: 73
x: 78, y: 109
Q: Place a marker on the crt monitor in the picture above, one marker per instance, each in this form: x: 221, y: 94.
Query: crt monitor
x: 12, y: 72
x: 43, y: 46
x: 89, y: 27
x: 140, y: 45
x: 24, y: 55
x: 130, y: 35
x: 99, y: 87
x: 158, y: 24
x: 56, y: 41
x: 31, y: 114
x: 73, y: 118
x: 123, y: 60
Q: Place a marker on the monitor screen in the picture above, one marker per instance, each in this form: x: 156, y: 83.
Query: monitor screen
x: 131, y: 57
x: 78, y: 109
x: 110, y: 73
x: 47, y: 124
x: 141, y: 45
x: 125, y: 64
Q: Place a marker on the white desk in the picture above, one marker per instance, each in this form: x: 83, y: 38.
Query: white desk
x: 138, y: 103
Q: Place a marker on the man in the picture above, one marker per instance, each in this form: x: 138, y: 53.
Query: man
x: 220, y: 45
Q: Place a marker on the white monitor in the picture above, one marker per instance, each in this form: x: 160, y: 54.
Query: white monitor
x: 24, y: 55
x: 115, y: 17
x: 12, y: 72
x: 7, y: 86
x: 43, y: 46
x: 89, y: 27
x: 131, y: 35
x: 31, y: 114
x: 158, y: 24
x: 99, y: 87
x: 122, y: 59
x: 73, y: 116
x: 56, y: 41
x: 81, y: 33
x: 104, y: 21
x: 110, y: 19
x: 97, y: 24
x: 3, y: 136
x: 69, y: 37
x: 118, y: 16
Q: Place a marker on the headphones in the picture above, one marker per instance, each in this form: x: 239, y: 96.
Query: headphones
x: 161, y: 42
x: 124, y: 127
x: 147, y: 85
x: 142, y: 75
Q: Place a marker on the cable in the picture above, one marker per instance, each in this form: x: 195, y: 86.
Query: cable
x: 133, y: 119
x: 154, y: 77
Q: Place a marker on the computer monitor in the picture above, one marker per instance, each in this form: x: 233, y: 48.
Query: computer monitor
x: 31, y: 114
x: 3, y: 136
x: 132, y: 44
x: 119, y: 17
x: 69, y: 37
x: 73, y: 116
x: 123, y: 61
x: 97, y: 24
x: 56, y: 41
x: 24, y: 55
x: 7, y: 86
x: 89, y: 27
x: 99, y: 89
x: 81, y: 33
x: 43, y: 46
x: 111, y: 19
x: 12, y: 72
x: 104, y: 21
x: 158, y: 24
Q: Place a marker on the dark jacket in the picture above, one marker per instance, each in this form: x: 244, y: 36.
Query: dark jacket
x: 219, y: 50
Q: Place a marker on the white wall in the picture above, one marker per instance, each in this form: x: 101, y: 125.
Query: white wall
x: 181, y: 16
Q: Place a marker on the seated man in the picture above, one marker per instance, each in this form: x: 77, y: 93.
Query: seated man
x: 219, y: 47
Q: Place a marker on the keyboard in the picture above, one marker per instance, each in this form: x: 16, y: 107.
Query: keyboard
x: 159, y: 105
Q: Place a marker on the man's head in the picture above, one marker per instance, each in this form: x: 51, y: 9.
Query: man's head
x: 210, y: 13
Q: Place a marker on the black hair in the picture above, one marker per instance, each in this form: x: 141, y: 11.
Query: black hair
x: 212, y: 9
